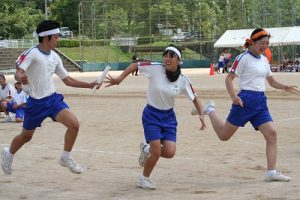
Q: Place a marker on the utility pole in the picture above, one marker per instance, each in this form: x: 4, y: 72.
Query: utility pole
x: 46, y: 9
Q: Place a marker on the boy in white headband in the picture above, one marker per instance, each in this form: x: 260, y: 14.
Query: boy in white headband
x: 159, y: 120
x: 35, y: 68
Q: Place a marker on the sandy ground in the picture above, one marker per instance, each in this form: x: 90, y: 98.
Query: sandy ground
x: 110, y: 132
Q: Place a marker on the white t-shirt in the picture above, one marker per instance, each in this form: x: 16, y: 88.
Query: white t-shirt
x: 20, y: 97
x: 252, y: 71
x: 39, y: 67
x: 8, y: 91
x: 161, y: 92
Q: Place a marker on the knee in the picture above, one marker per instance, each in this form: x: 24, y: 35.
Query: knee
x: 169, y: 154
x: 74, y: 126
x: 224, y: 137
x: 271, y: 137
x: 156, y: 153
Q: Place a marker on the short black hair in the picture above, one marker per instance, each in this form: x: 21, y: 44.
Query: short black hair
x: 46, y: 25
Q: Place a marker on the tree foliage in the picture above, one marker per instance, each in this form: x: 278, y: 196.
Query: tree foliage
x: 106, y: 18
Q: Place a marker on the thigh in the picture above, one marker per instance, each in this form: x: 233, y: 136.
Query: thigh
x: 67, y: 118
x: 228, y: 130
x: 268, y: 130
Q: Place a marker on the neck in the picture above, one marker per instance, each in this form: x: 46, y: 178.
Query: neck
x: 44, y: 47
x: 254, y: 52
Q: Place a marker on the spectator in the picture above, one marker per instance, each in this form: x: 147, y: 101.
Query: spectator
x: 6, y: 95
x: 134, y: 60
x: 18, y: 103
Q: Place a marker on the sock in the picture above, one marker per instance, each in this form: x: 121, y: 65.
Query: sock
x: 11, y: 156
x: 210, y: 109
x: 65, y: 154
x: 271, y: 172
x: 147, y: 149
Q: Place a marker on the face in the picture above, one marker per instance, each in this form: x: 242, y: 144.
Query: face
x: 18, y: 86
x: 53, y: 42
x: 171, y: 61
x: 2, y: 80
x: 261, y: 45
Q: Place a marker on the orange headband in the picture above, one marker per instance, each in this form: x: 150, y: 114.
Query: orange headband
x: 259, y: 34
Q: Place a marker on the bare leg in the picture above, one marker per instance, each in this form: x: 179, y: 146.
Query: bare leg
x: 67, y: 118
x: 150, y: 162
x: 223, y: 130
x: 19, y: 140
x: 270, y: 135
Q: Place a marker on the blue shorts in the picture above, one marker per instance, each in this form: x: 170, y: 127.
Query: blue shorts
x: 19, y: 111
x: 254, y: 109
x: 37, y: 110
x: 159, y: 124
x: 220, y: 64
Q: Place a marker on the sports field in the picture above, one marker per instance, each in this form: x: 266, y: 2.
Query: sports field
x: 110, y: 133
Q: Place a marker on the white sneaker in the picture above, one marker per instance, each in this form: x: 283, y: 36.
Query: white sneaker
x: 145, y: 183
x: 207, y: 108
x: 7, y: 118
x: 71, y: 165
x: 277, y: 177
x: 6, y: 161
x: 143, y: 156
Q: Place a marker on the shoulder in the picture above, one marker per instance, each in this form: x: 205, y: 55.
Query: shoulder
x: 28, y: 52
x: 243, y: 55
x: 184, y: 78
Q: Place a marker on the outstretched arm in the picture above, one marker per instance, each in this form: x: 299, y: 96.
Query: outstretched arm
x: 69, y: 81
x: 289, y: 88
x: 116, y: 81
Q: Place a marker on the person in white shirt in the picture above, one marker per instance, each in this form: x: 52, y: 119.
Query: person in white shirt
x: 159, y: 120
x: 250, y: 104
x: 7, y: 92
x: 35, y: 68
x: 18, y: 103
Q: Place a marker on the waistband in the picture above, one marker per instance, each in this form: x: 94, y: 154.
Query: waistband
x: 44, y: 98
x: 156, y: 109
x: 253, y: 92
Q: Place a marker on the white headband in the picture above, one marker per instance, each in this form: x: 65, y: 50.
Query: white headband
x: 45, y: 33
x: 175, y: 50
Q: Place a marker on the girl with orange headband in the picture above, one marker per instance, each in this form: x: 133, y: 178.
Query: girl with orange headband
x: 250, y: 104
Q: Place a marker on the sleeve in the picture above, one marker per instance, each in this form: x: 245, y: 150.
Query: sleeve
x: 146, y: 68
x: 188, y: 89
x: 60, y: 71
x: 10, y: 91
x: 25, y: 60
x: 268, y: 66
x: 237, y: 66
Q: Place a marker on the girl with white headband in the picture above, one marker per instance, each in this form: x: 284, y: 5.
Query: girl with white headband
x: 159, y: 120
x: 35, y: 68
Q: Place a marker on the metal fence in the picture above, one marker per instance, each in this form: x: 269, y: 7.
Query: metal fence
x: 23, y: 43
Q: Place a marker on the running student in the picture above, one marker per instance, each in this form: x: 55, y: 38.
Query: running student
x: 250, y: 104
x: 159, y: 120
x: 35, y: 68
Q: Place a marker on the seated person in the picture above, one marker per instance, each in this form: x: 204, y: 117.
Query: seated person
x: 297, y: 66
x: 6, y: 95
x: 18, y: 103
